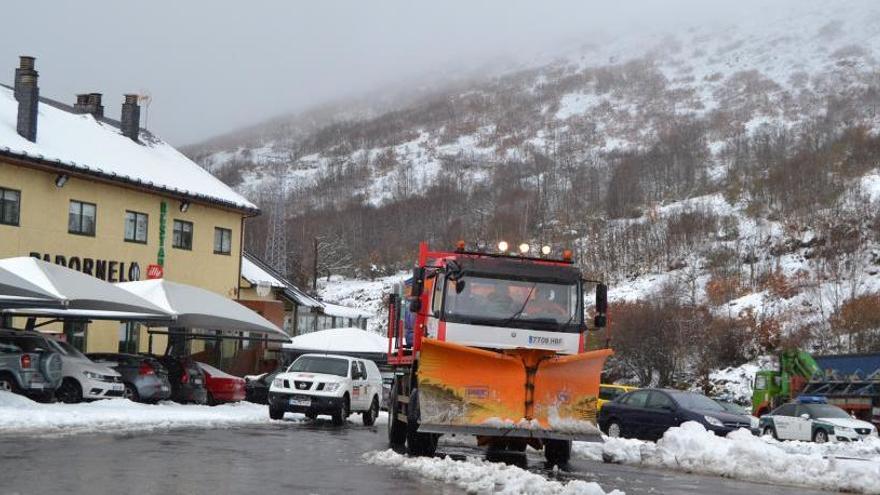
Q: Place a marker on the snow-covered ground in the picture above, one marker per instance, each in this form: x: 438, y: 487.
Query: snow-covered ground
x: 20, y: 415
x: 841, y: 467
x: 479, y: 476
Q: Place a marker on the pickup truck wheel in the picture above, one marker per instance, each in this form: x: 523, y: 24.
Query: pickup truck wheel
x: 417, y: 443
x: 8, y: 383
x: 342, y: 413
x: 275, y: 413
x: 396, y: 427
x: 70, y: 392
x: 557, y: 452
x: 370, y: 415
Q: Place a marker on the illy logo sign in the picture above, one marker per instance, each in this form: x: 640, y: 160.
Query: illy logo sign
x: 155, y: 271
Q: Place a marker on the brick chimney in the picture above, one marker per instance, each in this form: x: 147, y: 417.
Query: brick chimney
x: 89, y: 103
x: 28, y: 95
x: 131, y: 117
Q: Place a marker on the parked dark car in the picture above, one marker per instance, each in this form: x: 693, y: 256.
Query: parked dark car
x: 187, y: 379
x: 256, y: 390
x: 647, y: 414
x: 144, y: 378
x: 28, y: 366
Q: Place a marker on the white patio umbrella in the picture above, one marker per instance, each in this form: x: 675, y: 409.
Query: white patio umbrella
x: 16, y: 291
x: 66, y: 292
x: 194, y: 307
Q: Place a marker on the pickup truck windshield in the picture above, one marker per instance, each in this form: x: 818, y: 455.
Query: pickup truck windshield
x: 494, y: 301
x: 323, y: 365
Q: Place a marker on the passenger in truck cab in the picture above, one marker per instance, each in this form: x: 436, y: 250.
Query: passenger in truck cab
x: 546, y: 302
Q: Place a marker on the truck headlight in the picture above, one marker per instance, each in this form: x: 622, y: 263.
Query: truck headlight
x: 713, y: 421
x: 278, y: 383
x: 331, y: 387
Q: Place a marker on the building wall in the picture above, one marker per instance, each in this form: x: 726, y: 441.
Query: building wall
x: 43, y: 229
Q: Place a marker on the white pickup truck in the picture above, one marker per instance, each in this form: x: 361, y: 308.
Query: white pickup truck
x: 327, y: 384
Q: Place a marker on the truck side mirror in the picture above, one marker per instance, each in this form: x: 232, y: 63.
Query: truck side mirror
x: 601, y: 298
x: 418, y: 281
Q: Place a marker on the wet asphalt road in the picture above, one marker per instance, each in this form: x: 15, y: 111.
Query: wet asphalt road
x: 292, y: 457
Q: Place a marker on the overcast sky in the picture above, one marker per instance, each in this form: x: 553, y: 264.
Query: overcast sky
x: 213, y: 66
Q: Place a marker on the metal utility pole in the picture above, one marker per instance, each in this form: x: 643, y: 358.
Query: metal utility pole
x: 276, y: 240
x: 315, y: 270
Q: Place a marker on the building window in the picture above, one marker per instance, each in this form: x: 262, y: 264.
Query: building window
x: 129, y: 337
x: 10, y: 206
x: 183, y: 235
x: 136, y: 227
x: 75, y: 334
x: 81, y: 218
x: 222, y: 241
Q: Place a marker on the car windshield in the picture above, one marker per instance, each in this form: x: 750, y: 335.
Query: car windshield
x: 690, y: 400
x: 67, y: 349
x: 825, y: 411
x: 494, y: 301
x: 733, y: 408
x: 610, y: 393
x: 323, y: 365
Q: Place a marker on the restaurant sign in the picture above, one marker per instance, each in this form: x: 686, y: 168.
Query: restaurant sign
x: 108, y: 270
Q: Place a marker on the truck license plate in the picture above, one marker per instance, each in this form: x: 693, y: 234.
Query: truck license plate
x: 300, y: 401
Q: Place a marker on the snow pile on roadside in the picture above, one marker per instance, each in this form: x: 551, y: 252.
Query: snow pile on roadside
x: 741, y: 455
x: 479, y: 476
x: 735, y: 383
x: 20, y: 415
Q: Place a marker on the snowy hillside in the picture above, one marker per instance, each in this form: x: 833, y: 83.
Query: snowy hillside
x: 615, y: 94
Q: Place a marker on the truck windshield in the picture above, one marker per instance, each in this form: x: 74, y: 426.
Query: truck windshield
x: 493, y: 301
x: 323, y: 365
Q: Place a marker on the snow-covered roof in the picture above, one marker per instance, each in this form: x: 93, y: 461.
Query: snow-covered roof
x: 255, y: 274
x: 341, y: 340
x: 80, y: 143
x: 344, y: 311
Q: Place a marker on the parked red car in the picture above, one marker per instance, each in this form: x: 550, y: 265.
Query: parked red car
x: 222, y: 387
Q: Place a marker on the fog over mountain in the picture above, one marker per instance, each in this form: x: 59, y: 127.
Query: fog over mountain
x: 214, y: 66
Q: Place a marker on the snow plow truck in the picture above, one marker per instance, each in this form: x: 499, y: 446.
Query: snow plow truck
x: 495, y: 345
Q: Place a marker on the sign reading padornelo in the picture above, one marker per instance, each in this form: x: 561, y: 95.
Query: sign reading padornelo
x: 109, y: 270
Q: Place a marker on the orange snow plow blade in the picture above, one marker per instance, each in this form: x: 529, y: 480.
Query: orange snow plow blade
x: 463, y: 386
x: 519, y: 393
x: 566, y: 388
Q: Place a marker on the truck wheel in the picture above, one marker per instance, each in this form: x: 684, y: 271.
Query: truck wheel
x: 821, y: 436
x: 8, y: 384
x: 275, y: 413
x: 396, y: 427
x: 369, y: 416
x: 418, y: 444
x: 70, y: 392
x: 341, y: 414
x: 557, y: 452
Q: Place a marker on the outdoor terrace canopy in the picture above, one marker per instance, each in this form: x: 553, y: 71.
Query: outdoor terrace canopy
x: 194, y: 307
x: 33, y: 287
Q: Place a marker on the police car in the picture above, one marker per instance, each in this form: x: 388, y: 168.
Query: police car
x: 813, y: 419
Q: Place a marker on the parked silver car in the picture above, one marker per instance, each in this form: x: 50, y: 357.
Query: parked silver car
x: 144, y: 378
x: 83, y: 378
x: 28, y: 366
